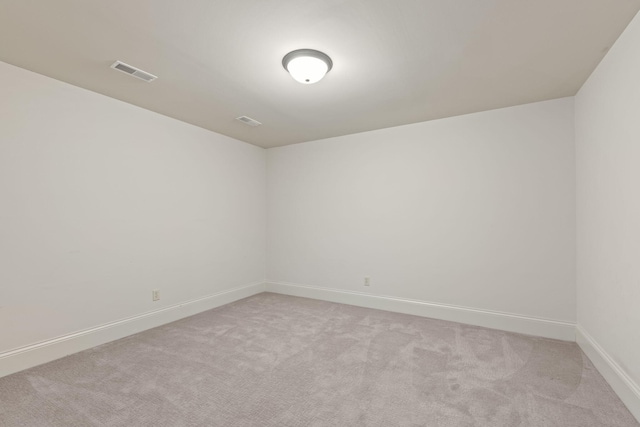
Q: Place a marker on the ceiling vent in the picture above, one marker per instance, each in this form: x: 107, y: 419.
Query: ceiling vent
x: 248, y: 121
x: 133, y: 71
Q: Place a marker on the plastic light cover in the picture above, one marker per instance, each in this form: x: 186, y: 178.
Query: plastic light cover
x: 307, y: 69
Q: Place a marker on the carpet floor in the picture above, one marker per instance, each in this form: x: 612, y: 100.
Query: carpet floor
x: 275, y: 360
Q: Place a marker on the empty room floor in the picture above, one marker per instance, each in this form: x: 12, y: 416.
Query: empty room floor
x: 275, y: 360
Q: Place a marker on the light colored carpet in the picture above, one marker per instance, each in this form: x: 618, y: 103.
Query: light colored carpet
x: 274, y: 360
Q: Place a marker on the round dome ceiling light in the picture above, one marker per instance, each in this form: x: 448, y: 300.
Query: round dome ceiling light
x: 307, y: 66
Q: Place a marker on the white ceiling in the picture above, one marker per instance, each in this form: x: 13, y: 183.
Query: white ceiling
x: 395, y: 62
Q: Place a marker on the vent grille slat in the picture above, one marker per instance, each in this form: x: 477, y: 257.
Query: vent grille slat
x: 124, y: 68
x: 248, y: 121
x: 133, y: 71
x: 144, y: 76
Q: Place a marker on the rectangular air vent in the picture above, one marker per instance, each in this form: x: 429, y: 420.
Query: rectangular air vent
x: 248, y: 121
x: 133, y: 71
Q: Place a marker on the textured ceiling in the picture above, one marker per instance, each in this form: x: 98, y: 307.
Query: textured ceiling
x: 395, y: 62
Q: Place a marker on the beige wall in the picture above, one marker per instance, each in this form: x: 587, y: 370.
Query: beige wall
x: 101, y: 202
x: 608, y: 201
x: 475, y: 211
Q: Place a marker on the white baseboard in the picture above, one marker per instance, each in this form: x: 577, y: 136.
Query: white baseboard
x: 47, y: 351
x: 618, y: 379
x: 547, y: 328
x: 26, y: 357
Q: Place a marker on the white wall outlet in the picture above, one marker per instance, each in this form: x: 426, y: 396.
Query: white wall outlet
x: 155, y: 295
x: 367, y: 281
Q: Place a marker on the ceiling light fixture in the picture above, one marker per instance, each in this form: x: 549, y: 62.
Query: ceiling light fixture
x: 307, y: 66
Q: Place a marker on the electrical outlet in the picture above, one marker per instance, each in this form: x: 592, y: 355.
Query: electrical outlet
x: 367, y: 281
x: 155, y: 295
